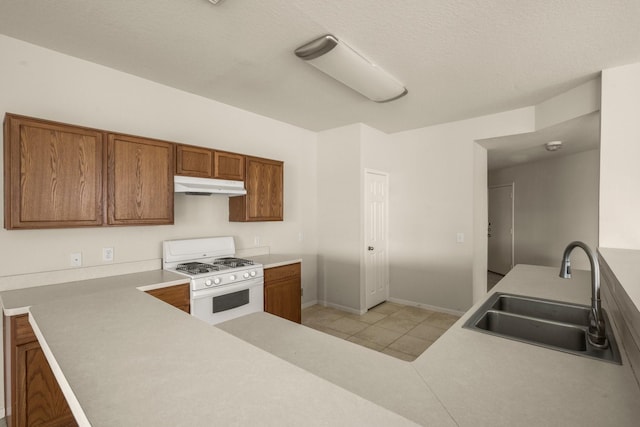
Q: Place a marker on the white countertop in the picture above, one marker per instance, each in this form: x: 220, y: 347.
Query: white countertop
x: 276, y: 260
x: 488, y: 380
x: 125, y: 358
x: 478, y: 379
x: 18, y: 301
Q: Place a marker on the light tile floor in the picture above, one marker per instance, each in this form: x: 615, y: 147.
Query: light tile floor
x: 394, y: 329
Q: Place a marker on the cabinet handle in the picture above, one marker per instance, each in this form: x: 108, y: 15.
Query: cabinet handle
x: 370, y: 248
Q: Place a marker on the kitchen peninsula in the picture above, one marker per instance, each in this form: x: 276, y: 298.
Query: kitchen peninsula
x: 123, y: 358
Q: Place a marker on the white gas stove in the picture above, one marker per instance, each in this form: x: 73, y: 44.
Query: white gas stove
x: 222, y: 286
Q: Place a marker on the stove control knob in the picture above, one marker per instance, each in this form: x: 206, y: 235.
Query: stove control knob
x: 245, y: 275
x: 232, y: 277
x: 253, y: 273
x: 216, y: 281
x: 208, y: 282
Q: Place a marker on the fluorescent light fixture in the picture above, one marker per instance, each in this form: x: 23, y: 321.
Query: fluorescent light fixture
x: 553, y: 145
x: 344, y: 64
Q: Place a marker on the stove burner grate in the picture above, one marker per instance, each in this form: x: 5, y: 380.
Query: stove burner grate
x: 197, y: 268
x: 233, y: 262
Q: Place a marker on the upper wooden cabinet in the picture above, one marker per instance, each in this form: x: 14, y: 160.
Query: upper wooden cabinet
x: 207, y: 163
x: 194, y: 161
x: 264, y: 199
x: 52, y: 174
x: 140, y: 180
x: 228, y: 165
x: 63, y: 176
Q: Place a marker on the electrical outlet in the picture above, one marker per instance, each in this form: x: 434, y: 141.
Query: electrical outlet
x: 300, y: 236
x: 256, y: 241
x: 76, y: 259
x: 107, y: 254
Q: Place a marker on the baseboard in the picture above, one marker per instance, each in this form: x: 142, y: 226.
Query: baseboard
x: 341, y: 307
x: 309, y: 304
x: 427, y: 306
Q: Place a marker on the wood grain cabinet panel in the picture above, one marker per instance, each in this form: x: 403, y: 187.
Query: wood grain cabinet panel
x: 264, y: 198
x: 194, y: 161
x: 33, y: 394
x: 228, y: 165
x: 53, y: 174
x: 282, y: 292
x: 178, y: 296
x: 140, y: 180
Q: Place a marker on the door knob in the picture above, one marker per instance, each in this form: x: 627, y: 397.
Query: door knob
x: 370, y: 248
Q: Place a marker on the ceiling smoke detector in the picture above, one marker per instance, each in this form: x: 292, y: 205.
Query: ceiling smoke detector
x: 214, y: 1
x: 553, y: 145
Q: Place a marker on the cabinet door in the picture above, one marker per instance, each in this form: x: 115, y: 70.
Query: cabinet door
x: 282, y: 292
x: 194, y: 161
x: 140, y: 180
x: 41, y: 402
x: 264, y: 184
x: 53, y: 174
x: 34, y: 396
x: 228, y: 165
x: 178, y: 296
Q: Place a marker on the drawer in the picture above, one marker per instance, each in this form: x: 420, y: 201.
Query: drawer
x: 285, y: 272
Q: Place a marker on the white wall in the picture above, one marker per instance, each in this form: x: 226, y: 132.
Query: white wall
x: 434, y: 196
x: 556, y: 202
x: 339, y: 231
x: 576, y: 102
x: 343, y: 155
x: 619, y: 158
x: 43, y: 83
x: 480, y: 222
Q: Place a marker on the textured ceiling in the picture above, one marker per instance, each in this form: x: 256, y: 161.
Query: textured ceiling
x: 458, y: 58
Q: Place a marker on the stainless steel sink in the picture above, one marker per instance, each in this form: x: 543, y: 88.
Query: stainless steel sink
x: 551, y: 324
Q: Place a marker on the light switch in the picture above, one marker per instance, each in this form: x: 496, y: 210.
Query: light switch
x: 460, y: 238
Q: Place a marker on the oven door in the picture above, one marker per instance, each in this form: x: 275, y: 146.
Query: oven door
x: 218, y: 304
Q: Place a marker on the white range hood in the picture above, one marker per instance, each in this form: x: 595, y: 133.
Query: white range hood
x: 207, y: 186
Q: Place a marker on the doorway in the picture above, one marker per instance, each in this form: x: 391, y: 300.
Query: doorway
x: 501, y: 229
x: 376, y: 259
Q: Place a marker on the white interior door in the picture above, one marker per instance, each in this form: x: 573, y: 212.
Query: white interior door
x: 375, y: 225
x: 500, y: 251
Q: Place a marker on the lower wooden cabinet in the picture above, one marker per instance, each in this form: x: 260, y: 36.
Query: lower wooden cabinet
x: 32, y: 394
x: 282, y: 291
x: 177, y: 296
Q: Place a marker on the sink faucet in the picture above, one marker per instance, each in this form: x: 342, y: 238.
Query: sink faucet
x: 596, y: 334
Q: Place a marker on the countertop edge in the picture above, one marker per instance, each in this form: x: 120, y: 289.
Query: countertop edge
x: 154, y: 286
x: 73, y: 402
x: 276, y: 260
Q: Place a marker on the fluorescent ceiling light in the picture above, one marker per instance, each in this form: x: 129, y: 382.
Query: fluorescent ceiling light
x: 553, y: 145
x: 344, y: 64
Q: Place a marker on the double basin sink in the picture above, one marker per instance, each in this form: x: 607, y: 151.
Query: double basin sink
x: 552, y: 324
